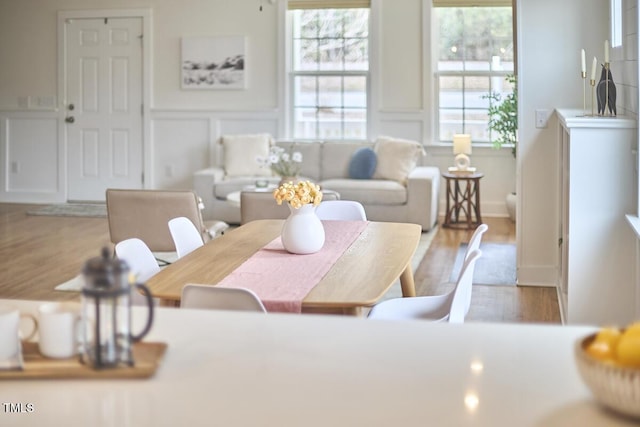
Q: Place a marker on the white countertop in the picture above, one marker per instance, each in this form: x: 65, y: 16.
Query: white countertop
x: 246, y: 369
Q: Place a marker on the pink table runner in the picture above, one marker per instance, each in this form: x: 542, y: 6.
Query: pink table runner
x: 282, y: 280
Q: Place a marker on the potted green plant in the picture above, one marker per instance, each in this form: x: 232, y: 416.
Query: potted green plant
x: 503, y: 117
x: 503, y: 123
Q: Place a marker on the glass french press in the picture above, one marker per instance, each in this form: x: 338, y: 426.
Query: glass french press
x: 106, y: 310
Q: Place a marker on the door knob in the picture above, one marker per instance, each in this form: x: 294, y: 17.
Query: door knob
x: 70, y: 119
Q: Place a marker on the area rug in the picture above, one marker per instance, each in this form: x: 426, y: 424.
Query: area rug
x: 90, y: 210
x: 75, y: 284
x: 496, y: 266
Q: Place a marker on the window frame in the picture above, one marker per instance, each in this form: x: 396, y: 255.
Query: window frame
x: 462, y: 74
x: 489, y: 74
x: 292, y: 74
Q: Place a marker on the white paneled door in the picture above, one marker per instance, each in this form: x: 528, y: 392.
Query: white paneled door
x: 103, y: 67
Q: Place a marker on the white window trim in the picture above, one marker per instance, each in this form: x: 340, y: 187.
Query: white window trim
x: 448, y: 73
x: 433, y: 61
x: 285, y: 81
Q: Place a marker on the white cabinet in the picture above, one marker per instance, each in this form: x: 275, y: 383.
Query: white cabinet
x: 598, y: 187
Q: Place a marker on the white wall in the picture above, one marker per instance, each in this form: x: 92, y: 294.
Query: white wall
x: 551, y: 34
x: 185, y: 124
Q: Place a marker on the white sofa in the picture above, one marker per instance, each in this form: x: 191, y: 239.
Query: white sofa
x: 414, y: 199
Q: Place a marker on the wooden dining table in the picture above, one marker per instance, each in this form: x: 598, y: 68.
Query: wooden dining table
x: 378, y: 257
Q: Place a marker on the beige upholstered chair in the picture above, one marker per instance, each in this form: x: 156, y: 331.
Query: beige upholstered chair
x: 145, y: 213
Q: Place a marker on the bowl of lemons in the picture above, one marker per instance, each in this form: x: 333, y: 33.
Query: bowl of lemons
x: 609, y: 363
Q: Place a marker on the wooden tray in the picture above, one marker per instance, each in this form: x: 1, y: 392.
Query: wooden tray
x: 146, y: 355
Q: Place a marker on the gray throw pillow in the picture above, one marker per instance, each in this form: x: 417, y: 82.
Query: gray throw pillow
x: 363, y: 163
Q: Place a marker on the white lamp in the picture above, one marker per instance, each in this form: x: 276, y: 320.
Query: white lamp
x: 462, y: 149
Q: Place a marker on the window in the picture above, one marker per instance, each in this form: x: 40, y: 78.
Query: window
x: 329, y: 73
x: 475, y: 54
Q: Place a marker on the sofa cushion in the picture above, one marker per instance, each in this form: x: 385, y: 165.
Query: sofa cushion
x: 241, y: 153
x: 336, y: 157
x: 363, y: 163
x: 396, y: 158
x: 368, y: 191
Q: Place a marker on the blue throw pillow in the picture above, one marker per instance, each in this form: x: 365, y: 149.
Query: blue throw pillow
x: 363, y: 163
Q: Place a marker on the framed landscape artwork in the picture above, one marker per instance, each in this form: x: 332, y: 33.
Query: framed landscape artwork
x: 213, y: 62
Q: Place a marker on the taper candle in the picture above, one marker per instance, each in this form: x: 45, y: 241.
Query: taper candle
x: 606, y: 51
x: 593, y: 68
x: 584, y: 63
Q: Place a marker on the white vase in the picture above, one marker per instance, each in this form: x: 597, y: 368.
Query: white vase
x: 303, y: 232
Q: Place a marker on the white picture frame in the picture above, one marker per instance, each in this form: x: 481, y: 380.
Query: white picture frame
x: 216, y: 62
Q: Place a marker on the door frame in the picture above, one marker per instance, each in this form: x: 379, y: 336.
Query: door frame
x: 147, y: 152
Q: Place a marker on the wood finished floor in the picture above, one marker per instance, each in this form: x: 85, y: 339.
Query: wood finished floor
x: 39, y: 252
x: 489, y: 303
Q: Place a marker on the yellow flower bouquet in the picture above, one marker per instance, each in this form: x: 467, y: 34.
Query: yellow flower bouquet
x: 299, y: 194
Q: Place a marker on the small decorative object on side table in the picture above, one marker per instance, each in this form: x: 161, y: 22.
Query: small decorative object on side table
x: 462, y: 150
x: 465, y: 198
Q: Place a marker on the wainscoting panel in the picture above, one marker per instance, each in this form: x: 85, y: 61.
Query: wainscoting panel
x: 242, y: 125
x: 31, y: 157
x: 185, y: 141
x: 408, y: 125
x: 180, y: 147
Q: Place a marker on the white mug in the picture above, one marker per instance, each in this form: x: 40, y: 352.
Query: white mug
x: 59, y: 329
x: 10, y: 331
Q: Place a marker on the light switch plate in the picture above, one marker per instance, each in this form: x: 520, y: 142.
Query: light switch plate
x: 542, y: 118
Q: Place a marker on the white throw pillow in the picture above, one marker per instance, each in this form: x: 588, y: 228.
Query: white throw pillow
x: 241, y: 153
x: 396, y: 158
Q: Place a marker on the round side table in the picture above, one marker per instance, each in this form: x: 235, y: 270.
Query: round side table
x: 463, y: 195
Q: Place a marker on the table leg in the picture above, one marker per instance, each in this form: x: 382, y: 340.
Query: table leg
x: 470, y: 190
x: 447, y: 218
x: 353, y: 311
x: 406, y: 282
x: 478, y: 215
x: 457, y: 201
x: 169, y: 303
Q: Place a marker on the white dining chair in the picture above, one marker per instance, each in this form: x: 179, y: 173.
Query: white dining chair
x: 476, y: 239
x: 474, y: 243
x: 141, y: 263
x: 185, y: 235
x: 345, y: 210
x: 217, y: 298
x: 451, y: 307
